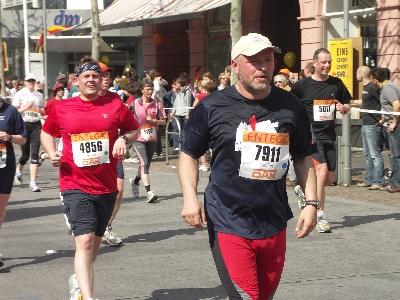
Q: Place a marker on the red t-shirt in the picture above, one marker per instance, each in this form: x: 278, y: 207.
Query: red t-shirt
x: 50, y: 105
x: 201, y: 96
x: 84, y: 122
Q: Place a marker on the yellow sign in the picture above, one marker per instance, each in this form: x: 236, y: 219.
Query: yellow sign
x: 342, y: 61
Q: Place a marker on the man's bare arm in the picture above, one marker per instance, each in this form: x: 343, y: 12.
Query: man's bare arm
x: 193, y: 212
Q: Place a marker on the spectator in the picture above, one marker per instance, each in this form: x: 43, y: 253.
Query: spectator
x: 182, y: 108
x: 309, y: 69
x: 390, y: 102
x: 223, y: 79
x: 281, y: 81
x: 371, y: 132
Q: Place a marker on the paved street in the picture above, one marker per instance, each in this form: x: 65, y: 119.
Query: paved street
x: 163, y: 258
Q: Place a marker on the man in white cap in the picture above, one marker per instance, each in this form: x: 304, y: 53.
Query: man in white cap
x: 29, y: 103
x: 251, y: 127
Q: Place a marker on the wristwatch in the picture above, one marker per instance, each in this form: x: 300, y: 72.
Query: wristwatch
x: 314, y: 203
x: 10, y: 137
x: 125, y: 138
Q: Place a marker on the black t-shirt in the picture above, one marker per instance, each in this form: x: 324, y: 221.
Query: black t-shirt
x: 12, y: 123
x: 318, y: 99
x: 371, y: 100
x: 252, y: 204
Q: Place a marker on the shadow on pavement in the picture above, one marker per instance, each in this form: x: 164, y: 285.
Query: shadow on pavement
x: 189, y: 293
x: 33, y: 212
x: 152, y: 237
x: 353, y: 221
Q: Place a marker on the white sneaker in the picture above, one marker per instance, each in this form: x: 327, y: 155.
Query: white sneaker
x: 177, y: 149
x: 135, y: 188
x: 74, y: 289
x: 151, y: 197
x: 18, y: 179
x: 204, y: 168
x: 322, y: 225
x: 33, y: 187
x: 111, y: 237
x: 128, y: 160
x: 135, y: 160
x: 301, y: 199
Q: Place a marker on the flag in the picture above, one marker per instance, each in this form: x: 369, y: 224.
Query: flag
x: 40, y: 43
x: 197, y: 74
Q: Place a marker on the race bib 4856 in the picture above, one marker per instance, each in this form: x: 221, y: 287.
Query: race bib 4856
x: 91, y: 148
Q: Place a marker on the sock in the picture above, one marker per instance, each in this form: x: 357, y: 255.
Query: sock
x: 147, y: 187
x: 320, y: 214
x: 17, y: 172
x: 136, y: 181
x: 41, y: 156
x: 32, y: 182
x: 109, y: 227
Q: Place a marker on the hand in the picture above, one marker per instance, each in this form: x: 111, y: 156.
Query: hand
x: 193, y: 213
x: 149, y: 119
x: 3, y: 136
x: 56, y: 158
x: 171, y: 114
x: 119, y: 148
x: 391, y: 127
x: 340, y: 107
x: 187, y: 117
x: 30, y: 104
x: 307, y: 221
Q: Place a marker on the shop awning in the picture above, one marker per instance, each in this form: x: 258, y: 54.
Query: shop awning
x: 72, y: 44
x: 131, y: 13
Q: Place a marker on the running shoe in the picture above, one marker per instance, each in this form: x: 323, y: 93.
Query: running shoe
x: 363, y: 184
x: 128, y: 160
x: 135, y: 188
x: 18, y: 179
x: 41, y: 158
x: 74, y: 289
x: 301, y: 199
x: 135, y: 160
x: 111, y: 237
x: 322, y: 225
x: 204, y: 168
x: 151, y: 197
x: 33, y: 187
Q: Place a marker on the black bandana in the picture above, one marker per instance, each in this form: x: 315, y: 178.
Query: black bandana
x: 86, y: 67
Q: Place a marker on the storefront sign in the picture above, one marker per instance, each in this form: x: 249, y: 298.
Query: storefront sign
x: 342, y: 61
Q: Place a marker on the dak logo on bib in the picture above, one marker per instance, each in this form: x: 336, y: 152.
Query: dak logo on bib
x: 265, y: 153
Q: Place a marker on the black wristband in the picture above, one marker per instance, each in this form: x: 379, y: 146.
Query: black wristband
x: 314, y: 203
x: 125, y: 138
x: 10, y: 137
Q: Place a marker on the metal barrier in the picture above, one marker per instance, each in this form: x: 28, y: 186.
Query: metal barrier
x: 339, y: 162
x: 167, y: 133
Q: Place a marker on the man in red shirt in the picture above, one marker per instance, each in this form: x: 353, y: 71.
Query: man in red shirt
x: 88, y: 125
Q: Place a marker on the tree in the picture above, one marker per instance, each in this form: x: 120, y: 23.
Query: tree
x: 2, y: 79
x: 95, y: 31
x: 236, y: 28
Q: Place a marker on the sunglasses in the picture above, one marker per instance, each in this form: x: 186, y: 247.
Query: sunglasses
x: 31, y: 80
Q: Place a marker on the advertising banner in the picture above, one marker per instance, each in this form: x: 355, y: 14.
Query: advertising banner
x: 342, y: 61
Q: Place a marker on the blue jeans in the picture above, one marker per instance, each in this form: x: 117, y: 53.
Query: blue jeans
x: 394, y: 143
x: 371, y: 137
x: 182, y: 121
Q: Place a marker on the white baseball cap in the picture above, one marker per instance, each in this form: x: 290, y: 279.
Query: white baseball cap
x: 30, y: 76
x: 251, y: 44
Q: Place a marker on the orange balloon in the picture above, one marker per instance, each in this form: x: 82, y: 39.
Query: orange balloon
x: 158, y: 39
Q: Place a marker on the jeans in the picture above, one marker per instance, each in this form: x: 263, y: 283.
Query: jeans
x: 182, y: 121
x: 394, y: 143
x: 371, y: 137
x: 159, y: 143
